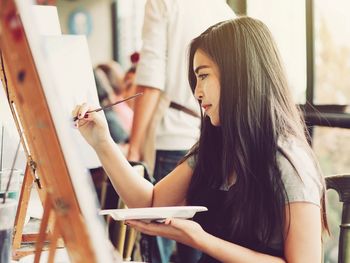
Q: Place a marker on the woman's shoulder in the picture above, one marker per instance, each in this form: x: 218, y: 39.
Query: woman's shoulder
x: 300, y: 173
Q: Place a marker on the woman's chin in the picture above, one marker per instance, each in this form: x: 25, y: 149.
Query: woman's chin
x: 214, y: 122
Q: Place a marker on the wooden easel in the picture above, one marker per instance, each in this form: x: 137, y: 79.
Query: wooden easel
x: 30, y: 177
x: 33, y: 117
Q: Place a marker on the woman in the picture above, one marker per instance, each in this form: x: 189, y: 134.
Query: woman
x: 252, y: 166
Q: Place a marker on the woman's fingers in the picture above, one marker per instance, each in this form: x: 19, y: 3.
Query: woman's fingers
x: 80, y: 115
x: 158, y: 229
x: 141, y: 226
x: 145, y: 226
x: 75, y: 111
x: 150, y: 228
x: 167, y: 221
x: 82, y: 111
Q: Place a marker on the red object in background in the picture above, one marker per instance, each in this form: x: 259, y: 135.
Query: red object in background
x: 14, y: 23
x: 135, y: 57
x: 46, y: 2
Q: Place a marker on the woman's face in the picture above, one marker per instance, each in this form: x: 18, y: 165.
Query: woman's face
x: 207, y: 90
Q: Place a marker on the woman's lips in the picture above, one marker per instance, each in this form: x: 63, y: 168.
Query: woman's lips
x: 206, y: 106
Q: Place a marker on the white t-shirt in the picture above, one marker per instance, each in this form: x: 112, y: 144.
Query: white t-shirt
x: 169, y: 27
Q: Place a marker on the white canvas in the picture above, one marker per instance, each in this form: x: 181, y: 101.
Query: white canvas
x: 68, y: 60
x: 46, y: 19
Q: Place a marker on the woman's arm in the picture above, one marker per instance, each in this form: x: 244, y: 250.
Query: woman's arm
x: 225, y: 251
x: 138, y: 192
x: 172, y: 189
x: 133, y: 189
x: 191, y: 234
x: 302, y: 244
x: 304, y: 239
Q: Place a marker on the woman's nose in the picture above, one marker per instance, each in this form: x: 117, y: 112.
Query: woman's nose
x: 198, y: 93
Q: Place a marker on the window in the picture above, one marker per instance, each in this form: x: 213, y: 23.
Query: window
x: 332, y: 52
x: 127, y: 27
x: 286, y: 21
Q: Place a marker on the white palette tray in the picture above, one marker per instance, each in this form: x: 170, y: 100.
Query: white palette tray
x: 154, y: 213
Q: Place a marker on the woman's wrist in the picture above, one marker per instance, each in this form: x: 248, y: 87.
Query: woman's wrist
x: 102, y: 145
x: 200, y: 240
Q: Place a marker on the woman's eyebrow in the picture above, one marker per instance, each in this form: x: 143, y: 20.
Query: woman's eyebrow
x: 201, y: 67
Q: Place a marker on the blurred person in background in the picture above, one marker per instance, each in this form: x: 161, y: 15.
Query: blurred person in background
x: 117, y: 130
x: 129, y: 87
x: 115, y: 90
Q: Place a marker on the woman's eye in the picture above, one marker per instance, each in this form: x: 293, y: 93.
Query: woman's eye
x: 202, y: 76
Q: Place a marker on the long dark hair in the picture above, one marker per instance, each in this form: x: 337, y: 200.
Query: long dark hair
x: 256, y: 111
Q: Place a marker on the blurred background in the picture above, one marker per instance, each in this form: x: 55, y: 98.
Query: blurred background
x: 314, y: 41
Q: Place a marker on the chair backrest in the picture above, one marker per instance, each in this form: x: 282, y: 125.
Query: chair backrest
x: 124, y: 237
x: 341, y: 184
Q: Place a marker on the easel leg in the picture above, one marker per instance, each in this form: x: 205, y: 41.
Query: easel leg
x: 104, y: 187
x: 22, y: 208
x: 42, y: 232
x: 53, y: 244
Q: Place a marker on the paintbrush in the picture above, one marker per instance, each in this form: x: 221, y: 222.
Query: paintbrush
x: 110, y: 105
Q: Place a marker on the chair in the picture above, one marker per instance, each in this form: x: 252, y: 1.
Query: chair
x: 341, y: 184
x: 122, y: 236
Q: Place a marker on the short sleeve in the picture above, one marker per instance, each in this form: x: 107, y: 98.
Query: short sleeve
x: 303, y: 182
